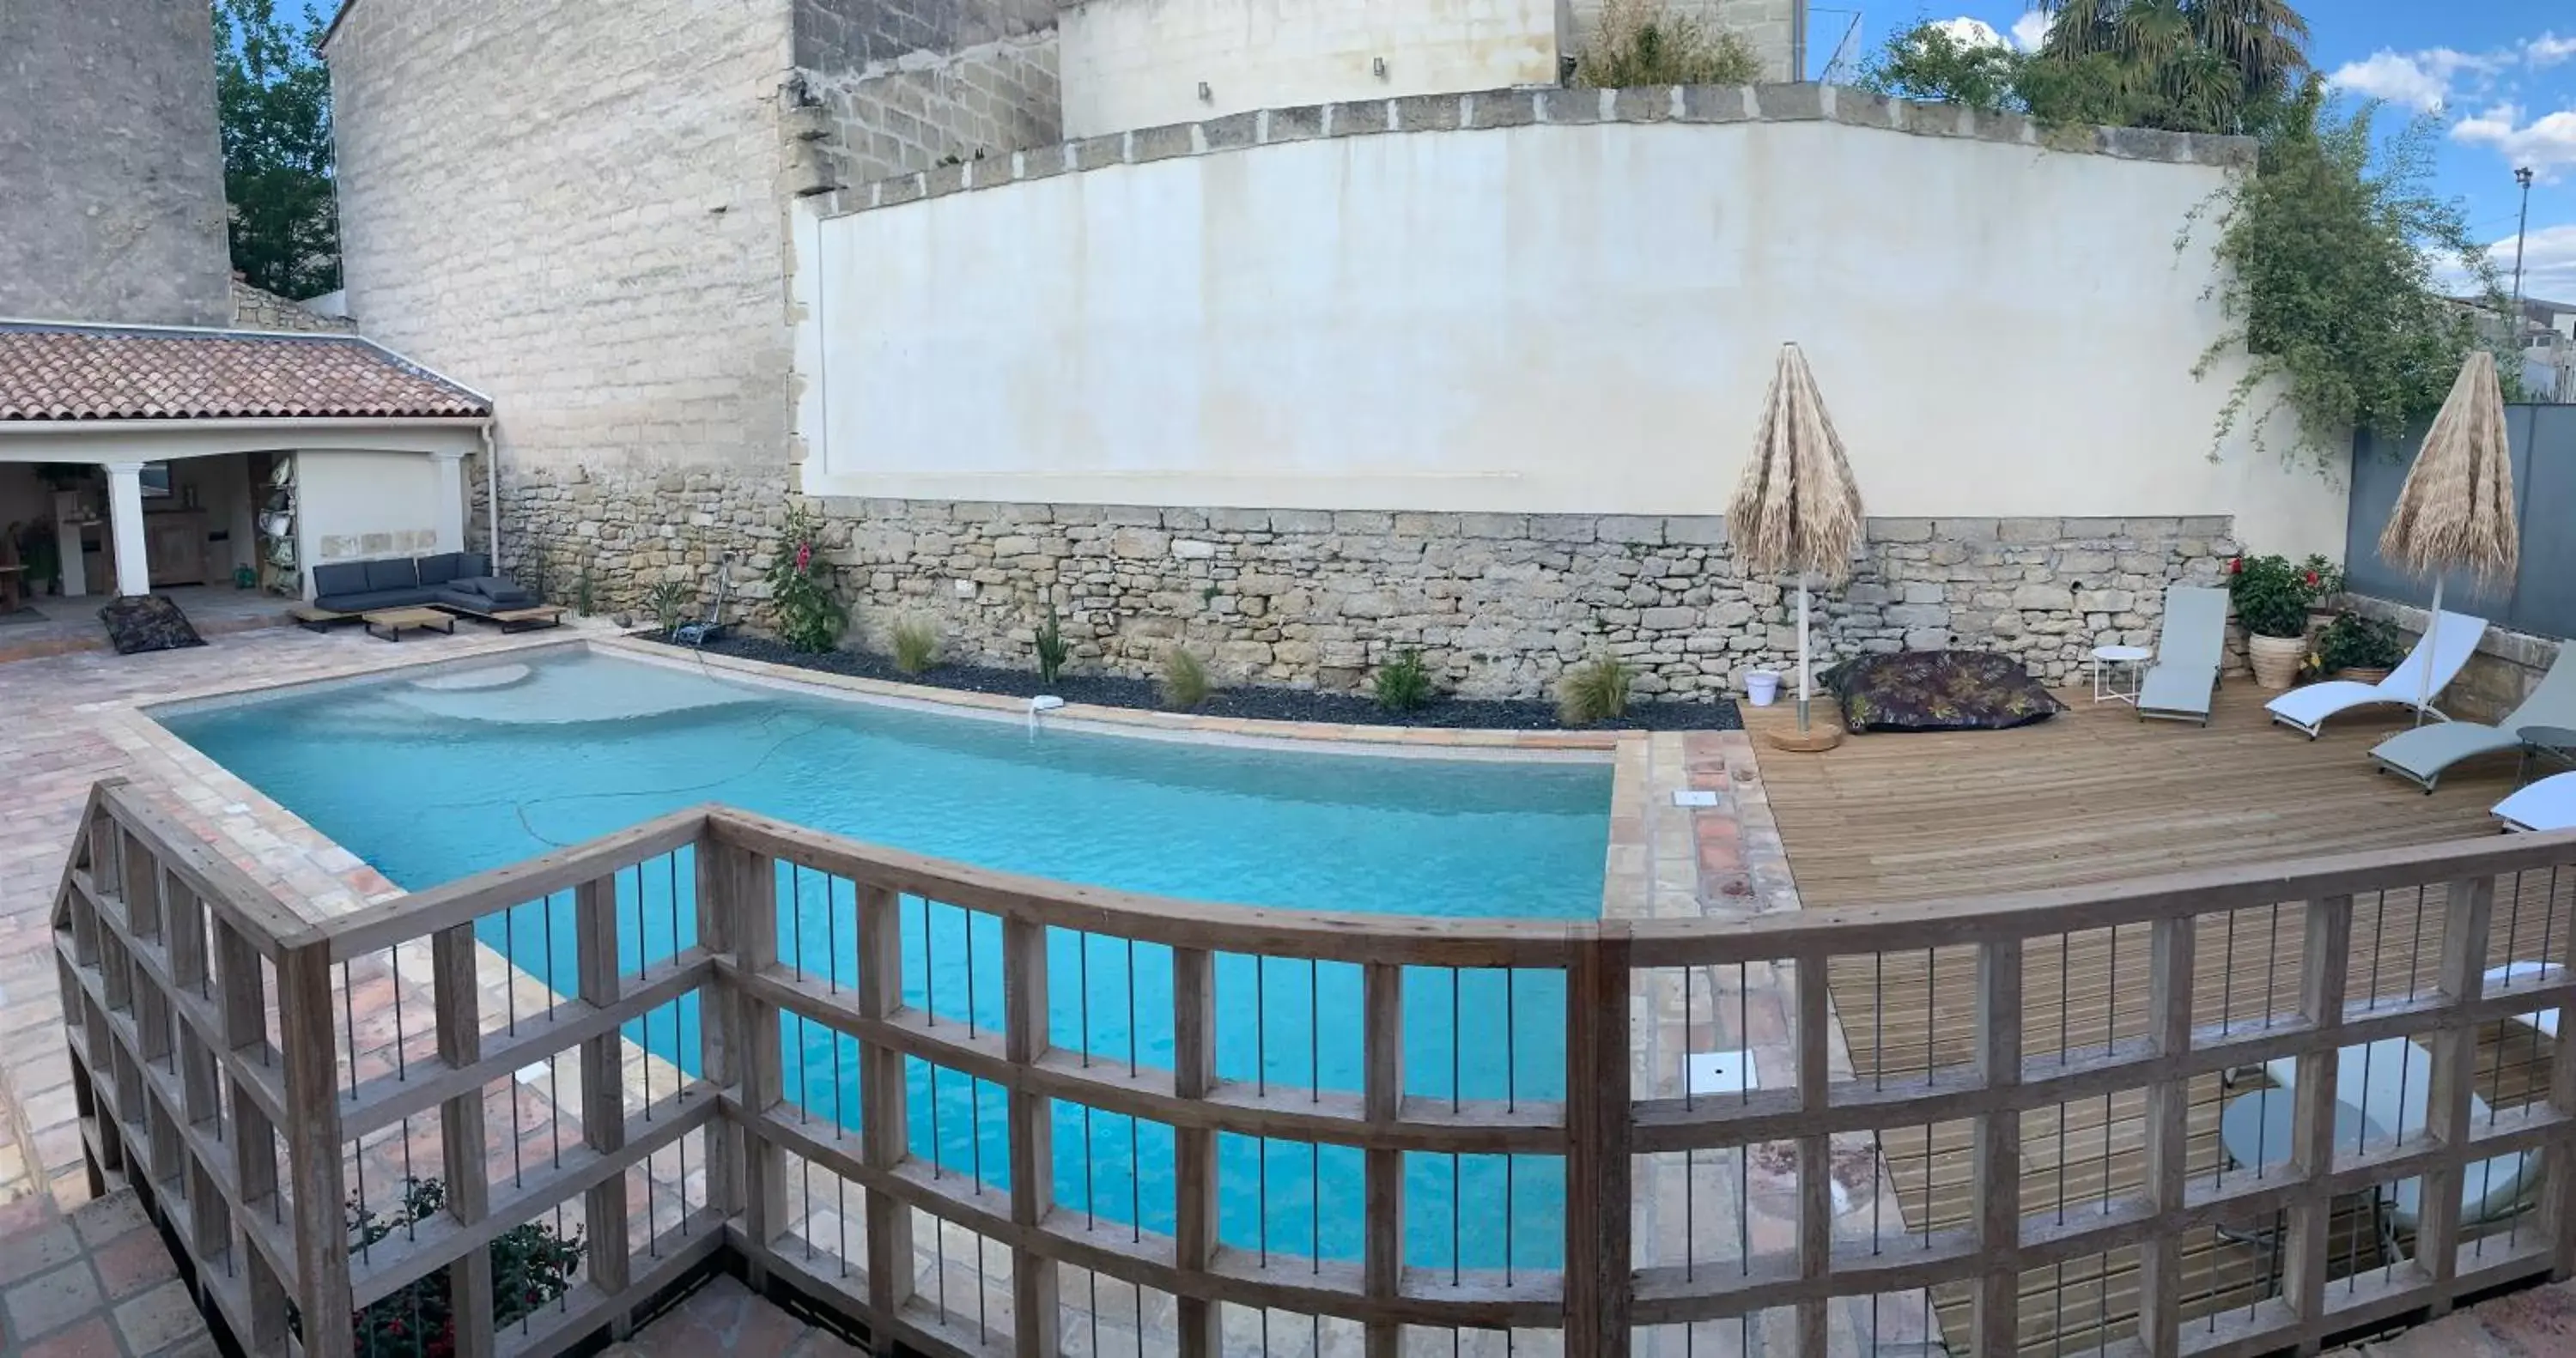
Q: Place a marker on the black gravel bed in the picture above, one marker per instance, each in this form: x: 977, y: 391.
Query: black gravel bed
x: 1251, y: 702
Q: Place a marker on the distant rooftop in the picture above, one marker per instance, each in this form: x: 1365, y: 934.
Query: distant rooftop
x: 55, y: 371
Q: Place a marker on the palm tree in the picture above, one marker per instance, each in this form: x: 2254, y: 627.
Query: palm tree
x: 2188, y: 65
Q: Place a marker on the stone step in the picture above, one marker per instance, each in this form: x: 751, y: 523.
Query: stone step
x: 93, y: 1281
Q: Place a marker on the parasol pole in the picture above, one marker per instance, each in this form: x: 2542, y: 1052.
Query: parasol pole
x: 2424, y: 677
x: 1802, y: 652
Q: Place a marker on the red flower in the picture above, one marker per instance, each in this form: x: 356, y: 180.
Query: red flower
x: 804, y: 555
x: 2235, y: 565
x: 2312, y: 579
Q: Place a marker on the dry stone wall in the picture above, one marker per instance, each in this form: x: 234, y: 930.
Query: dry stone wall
x: 1499, y: 604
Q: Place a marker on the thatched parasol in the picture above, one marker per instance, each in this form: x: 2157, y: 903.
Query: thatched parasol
x: 1797, y: 508
x: 2455, y: 512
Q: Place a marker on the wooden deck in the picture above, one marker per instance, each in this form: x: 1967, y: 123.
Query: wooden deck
x: 2097, y: 795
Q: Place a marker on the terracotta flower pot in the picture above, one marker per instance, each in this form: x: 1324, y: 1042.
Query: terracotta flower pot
x: 2276, y: 659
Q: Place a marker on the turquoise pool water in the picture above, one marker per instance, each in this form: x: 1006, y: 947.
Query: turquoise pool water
x: 430, y: 783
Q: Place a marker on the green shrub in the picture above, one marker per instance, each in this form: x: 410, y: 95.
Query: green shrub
x: 2353, y: 642
x: 1593, y: 692
x: 582, y: 593
x: 532, y: 1265
x: 1404, y: 683
x: 1185, y: 679
x: 1051, y: 647
x: 1639, y: 43
x: 916, y: 644
x: 810, y: 616
x: 668, y: 601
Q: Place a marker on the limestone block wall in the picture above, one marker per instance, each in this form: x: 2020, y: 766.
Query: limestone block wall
x: 111, y: 175
x: 1147, y: 63
x: 907, y: 85
x: 579, y: 209
x: 1499, y: 604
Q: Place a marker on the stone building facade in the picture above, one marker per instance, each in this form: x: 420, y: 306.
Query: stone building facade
x: 111, y: 173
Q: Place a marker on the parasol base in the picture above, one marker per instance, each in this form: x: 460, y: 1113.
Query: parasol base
x: 1814, y: 740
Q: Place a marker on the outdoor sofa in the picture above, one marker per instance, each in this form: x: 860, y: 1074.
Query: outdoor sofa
x: 460, y: 581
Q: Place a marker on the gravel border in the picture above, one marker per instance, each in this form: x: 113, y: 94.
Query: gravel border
x: 1249, y: 702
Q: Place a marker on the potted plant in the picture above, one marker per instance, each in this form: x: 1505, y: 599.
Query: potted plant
x: 2326, y: 581
x: 2353, y: 647
x: 2272, y: 596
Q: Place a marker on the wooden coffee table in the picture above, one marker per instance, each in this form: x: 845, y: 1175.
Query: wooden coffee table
x: 390, y: 622
x: 526, y: 619
x: 317, y: 619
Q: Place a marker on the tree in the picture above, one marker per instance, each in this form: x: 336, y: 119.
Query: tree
x: 2325, y: 264
x: 2191, y: 65
x: 273, y: 99
x: 2228, y: 66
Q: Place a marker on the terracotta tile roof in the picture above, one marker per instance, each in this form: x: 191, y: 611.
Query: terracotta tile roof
x: 77, y: 372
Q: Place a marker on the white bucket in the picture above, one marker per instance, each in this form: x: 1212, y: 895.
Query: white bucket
x: 1762, y: 686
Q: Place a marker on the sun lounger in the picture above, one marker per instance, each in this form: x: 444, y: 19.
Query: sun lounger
x: 2391, y: 1083
x: 2189, y: 651
x: 2422, y: 754
x: 2549, y: 804
x: 2444, y: 651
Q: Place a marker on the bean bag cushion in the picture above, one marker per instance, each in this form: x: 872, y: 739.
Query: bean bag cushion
x: 147, y: 622
x: 1937, y: 691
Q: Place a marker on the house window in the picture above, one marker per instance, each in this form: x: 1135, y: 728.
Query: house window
x: 156, y: 480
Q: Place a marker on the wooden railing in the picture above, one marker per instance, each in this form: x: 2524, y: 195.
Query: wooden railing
x: 643, y: 1073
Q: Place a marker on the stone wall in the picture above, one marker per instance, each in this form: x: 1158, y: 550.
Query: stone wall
x: 260, y: 309
x: 111, y: 175
x: 1499, y: 604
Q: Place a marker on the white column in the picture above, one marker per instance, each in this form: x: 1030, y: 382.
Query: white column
x: 125, y: 527
x: 450, y: 522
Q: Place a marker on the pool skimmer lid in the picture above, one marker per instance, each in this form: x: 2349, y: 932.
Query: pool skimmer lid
x: 1720, y: 1072
x: 1694, y: 797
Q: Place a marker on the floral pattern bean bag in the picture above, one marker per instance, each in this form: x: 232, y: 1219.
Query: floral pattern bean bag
x: 147, y: 622
x: 1937, y: 691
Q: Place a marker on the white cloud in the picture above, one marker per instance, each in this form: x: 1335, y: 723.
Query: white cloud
x: 2420, y: 79
x: 2547, y: 144
x: 2548, y: 265
x: 1969, y: 32
x: 2548, y: 49
x: 2030, y: 30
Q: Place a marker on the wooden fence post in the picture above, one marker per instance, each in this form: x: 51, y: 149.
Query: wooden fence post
x: 603, y: 1088
x: 1194, y: 1193
x: 312, y: 1141
x: 885, y: 1101
x: 1598, y: 1280
x: 2466, y: 910
x: 1032, y: 1133
x: 457, y: 1002
x: 2325, y: 962
x: 1382, y: 1190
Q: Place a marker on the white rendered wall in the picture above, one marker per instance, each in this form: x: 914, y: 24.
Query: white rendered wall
x: 1139, y: 63
x: 355, y: 505
x: 1542, y: 319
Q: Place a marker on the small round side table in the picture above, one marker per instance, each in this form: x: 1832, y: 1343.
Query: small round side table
x: 2106, y: 674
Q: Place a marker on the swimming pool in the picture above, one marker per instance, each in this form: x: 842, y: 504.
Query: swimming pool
x: 437, y: 777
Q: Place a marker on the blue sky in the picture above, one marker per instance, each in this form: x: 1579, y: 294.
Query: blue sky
x: 2500, y: 74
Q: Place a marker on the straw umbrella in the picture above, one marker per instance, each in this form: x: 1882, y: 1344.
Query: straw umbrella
x: 2456, y: 509
x: 1796, y: 508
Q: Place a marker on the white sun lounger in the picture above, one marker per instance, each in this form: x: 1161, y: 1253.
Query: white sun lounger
x: 2423, y: 753
x: 2189, y: 650
x: 2444, y: 653
x: 2549, y: 804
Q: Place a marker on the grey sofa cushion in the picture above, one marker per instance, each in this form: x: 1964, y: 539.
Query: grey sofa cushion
x: 349, y: 577
x: 392, y: 573
x: 364, y: 601
x: 486, y: 591
x: 439, y: 569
